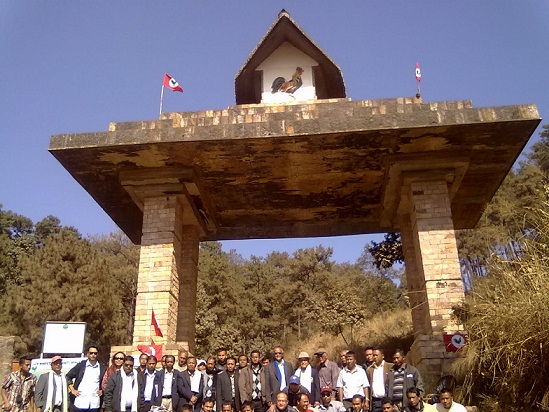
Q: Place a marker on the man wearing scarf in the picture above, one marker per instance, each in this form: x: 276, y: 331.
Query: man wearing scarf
x: 124, y: 393
x: 51, y: 390
x: 308, y: 378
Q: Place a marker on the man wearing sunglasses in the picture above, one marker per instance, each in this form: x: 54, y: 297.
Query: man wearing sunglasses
x: 84, y: 381
x: 327, y: 403
x: 277, y: 375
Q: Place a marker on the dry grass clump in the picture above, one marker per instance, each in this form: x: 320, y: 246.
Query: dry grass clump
x: 507, y: 318
x: 389, y: 330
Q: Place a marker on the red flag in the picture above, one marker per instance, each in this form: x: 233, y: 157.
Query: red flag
x: 152, y: 350
x: 154, y: 322
x: 454, y: 341
x: 171, y: 83
x: 418, y: 73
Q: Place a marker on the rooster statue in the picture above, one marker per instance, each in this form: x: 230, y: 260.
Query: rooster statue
x: 281, y: 85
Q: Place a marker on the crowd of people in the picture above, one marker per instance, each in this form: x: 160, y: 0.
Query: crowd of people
x: 225, y: 384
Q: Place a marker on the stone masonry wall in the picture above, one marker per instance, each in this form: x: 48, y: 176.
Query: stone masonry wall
x: 7, y: 353
x: 263, y: 115
x: 158, y: 279
x: 435, y: 244
x: 417, y: 294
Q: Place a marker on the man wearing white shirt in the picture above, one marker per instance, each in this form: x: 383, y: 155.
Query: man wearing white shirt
x: 151, y: 384
x: 84, y: 381
x: 193, y: 385
x: 352, y: 381
x: 169, y: 385
x: 377, y: 376
x: 308, y: 377
x: 51, y: 389
x: 277, y: 374
x: 124, y: 392
x: 447, y: 403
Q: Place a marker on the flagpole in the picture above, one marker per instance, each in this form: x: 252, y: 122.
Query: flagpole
x: 161, y: 97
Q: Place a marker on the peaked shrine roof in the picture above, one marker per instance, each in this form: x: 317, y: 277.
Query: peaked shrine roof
x: 328, y: 78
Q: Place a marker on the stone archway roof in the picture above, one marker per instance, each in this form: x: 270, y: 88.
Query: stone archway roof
x: 328, y: 78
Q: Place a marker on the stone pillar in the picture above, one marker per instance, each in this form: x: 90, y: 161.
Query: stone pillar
x: 432, y: 270
x: 167, y: 274
x: 186, y: 326
x: 7, y: 355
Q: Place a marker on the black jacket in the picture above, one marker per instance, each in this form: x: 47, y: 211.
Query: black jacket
x: 76, y: 374
x: 223, y: 392
x: 180, y: 394
x: 113, y: 392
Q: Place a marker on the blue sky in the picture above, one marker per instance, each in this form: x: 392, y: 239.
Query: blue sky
x: 74, y: 66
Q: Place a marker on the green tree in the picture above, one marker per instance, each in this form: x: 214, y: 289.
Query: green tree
x: 16, y: 241
x: 65, y: 280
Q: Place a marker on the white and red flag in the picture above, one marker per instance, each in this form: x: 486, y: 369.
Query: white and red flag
x: 154, y: 323
x: 418, y: 73
x: 152, y: 350
x: 171, y: 83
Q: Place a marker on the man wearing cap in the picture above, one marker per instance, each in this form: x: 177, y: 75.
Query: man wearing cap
x: 51, y: 389
x: 84, y: 381
x: 328, y: 371
x: 294, y: 390
x: 353, y: 381
x: 327, y: 403
x: 308, y: 377
x: 278, y: 374
x: 201, y: 365
x: 252, y: 382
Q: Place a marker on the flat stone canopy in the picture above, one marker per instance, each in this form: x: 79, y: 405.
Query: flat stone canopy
x: 318, y: 168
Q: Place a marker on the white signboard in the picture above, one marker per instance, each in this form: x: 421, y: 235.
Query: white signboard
x: 64, y: 337
x: 40, y: 366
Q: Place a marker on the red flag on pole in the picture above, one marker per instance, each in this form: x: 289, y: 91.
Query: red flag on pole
x: 171, y: 83
x: 154, y: 323
x: 152, y: 350
x: 418, y: 73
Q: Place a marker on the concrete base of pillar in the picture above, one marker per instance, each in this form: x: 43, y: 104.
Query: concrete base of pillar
x: 428, y: 354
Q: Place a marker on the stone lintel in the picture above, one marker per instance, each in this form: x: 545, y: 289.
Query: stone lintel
x: 144, y: 183
x: 302, y: 169
x: 401, y: 171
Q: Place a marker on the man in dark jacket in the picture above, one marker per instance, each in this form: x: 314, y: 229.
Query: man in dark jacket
x: 227, y: 390
x: 277, y: 374
x: 400, y: 378
x: 151, y: 384
x: 171, y: 388
x: 124, y: 391
x: 84, y: 381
